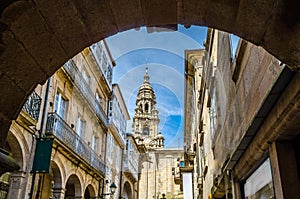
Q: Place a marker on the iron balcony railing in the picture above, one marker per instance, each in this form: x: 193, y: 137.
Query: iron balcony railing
x: 62, y: 131
x: 33, y: 105
x: 85, y: 90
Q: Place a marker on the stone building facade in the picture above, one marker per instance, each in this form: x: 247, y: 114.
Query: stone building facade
x: 118, y: 116
x: 73, y: 115
x: 241, y: 136
x: 155, y: 172
x: 130, y: 175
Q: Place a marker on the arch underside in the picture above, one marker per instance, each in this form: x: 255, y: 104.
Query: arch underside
x: 37, y: 37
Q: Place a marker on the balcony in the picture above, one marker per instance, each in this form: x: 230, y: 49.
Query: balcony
x: 31, y: 110
x: 57, y: 127
x: 177, y: 175
x: 131, y: 165
x: 85, y: 91
x: 33, y: 105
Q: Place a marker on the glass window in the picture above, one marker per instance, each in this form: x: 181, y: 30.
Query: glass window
x: 85, y: 76
x: 60, y: 105
x: 98, y: 98
x: 80, y: 126
x: 95, y: 143
x: 259, y: 185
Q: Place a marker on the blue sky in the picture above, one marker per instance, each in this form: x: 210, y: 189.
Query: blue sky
x: 163, y: 53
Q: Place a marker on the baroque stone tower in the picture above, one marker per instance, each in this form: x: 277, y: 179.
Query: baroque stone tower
x: 155, y: 166
x: 145, y: 121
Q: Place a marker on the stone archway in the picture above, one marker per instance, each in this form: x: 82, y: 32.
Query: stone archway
x: 73, y: 187
x: 52, y: 183
x: 37, y: 37
x: 127, y: 191
x: 89, y: 192
x: 15, y: 148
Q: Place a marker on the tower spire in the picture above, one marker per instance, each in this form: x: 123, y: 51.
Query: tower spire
x: 146, y: 77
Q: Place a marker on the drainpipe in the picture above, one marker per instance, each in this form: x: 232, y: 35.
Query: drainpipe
x: 105, y: 149
x: 44, y: 114
x: 121, y: 175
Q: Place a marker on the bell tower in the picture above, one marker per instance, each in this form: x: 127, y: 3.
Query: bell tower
x: 145, y: 121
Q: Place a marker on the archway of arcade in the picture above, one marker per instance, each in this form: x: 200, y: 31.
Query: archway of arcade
x: 73, y: 187
x: 89, y: 192
x: 127, y: 191
x: 37, y: 37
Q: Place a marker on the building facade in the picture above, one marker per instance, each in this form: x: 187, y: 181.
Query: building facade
x: 118, y: 116
x: 71, y: 129
x: 130, y: 175
x: 237, y: 100
x: 155, y: 172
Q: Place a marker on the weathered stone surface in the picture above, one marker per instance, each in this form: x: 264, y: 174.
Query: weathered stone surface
x: 191, y: 12
x: 279, y: 38
x: 225, y: 11
x: 65, y: 22
x: 261, y: 15
x: 157, y: 12
x: 31, y: 30
x: 30, y: 73
x: 13, y: 96
x: 122, y: 16
x: 4, y: 127
x: 50, y: 32
x: 281, y: 124
x: 97, y: 18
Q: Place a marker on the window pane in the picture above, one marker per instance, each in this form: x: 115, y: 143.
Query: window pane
x: 60, y: 105
x: 260, y: 185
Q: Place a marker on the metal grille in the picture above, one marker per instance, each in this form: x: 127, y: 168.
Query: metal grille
x: 61, y: 130
x: 33, y: 105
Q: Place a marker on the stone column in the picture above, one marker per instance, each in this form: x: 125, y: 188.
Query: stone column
x: 284, y: 170
x: 58, y: 193
x: 16, y: 181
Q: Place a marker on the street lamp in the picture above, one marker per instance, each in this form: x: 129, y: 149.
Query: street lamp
x: 112, y: 188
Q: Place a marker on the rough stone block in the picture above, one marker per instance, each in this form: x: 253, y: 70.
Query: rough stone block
x: 260, y: 12
x: 97, y: 18
x: 14, y: 98
x: 28, y: 73
x: 127, y: 10
x: 208, y: 13
x: 66, y: 23
x: 157, y: 12
x: 32, y: 31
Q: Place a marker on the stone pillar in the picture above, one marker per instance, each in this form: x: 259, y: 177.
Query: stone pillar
x: 58, y: 193
x: 16, y: 181
x: 284, y: 170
